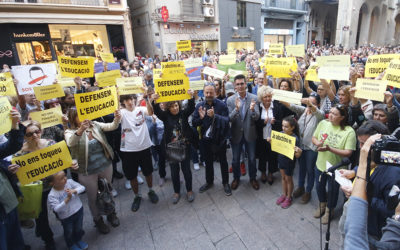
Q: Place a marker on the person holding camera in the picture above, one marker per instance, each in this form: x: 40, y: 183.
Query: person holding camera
x: 356, y: 236
x: 334, y: 140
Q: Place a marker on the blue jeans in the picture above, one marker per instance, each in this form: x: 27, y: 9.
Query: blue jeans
x: 251, y: 154
x: 321, y: 189
x: 72, y: 225
x: 10, y: 232
x: 307, y: 162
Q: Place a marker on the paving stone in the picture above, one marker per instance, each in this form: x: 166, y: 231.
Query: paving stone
x: 201, y: 242
x: 231, y: 242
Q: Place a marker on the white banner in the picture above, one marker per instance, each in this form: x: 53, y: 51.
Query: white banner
x: 30, y: 76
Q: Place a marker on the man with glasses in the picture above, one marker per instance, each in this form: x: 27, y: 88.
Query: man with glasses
x: 212, y: 116
x: 243, y: 114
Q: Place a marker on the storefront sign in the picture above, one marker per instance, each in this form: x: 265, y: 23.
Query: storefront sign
x: 204, y: 37
x: 96, y: 104
x: 370, y: 89
x: 280, y: 67
x: 392, y: 73
x: 214, y: 72
x: 172, y: 88
x: 42, y: 163
x: 29, y: 32
x: 184, y: 45
x: 5, y: 118
x: 72, y: 67
x: 275, y: 49
x: 48, y: 118
x: 295, y: 50
x: 43, y: 93
x: 30, y: 76
x: 108, y: 78
x: 283, y: 144
x: 7, y: 87
x: 334, y: 67
x: 130, y: 85
x: 376, y: 64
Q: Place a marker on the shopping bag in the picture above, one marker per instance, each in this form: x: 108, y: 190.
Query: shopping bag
x: 30, y: 205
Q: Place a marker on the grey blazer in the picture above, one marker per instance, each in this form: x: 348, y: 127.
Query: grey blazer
x: 247, y: 127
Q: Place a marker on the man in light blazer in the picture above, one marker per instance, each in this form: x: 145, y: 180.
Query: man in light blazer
x: 243, y: 114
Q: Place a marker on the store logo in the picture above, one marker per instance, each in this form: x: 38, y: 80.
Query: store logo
x: 23, y: 35
x: 7, y: 53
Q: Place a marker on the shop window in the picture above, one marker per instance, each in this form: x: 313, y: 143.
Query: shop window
x: 34, y: 52
x: 241, y: 14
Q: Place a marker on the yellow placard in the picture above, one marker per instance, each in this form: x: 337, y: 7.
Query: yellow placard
x: 334, y: 61
x: 172, y: 88
x: 72, y: 67
x: 156, y: 73
x: 280, y: 67
x: 283, y: 144
x: 227, y: 59
x: 107, y: 57
x: 275, y: 49
x: 376, y: 64
x: 334, y: 67
x: 371, y: 89
x: 287, y: 96
x: 96, y: 104
x: 185, y: 45
x: 65, y: 81
x: 7, y: 85
x: 392, y: 74
x: 43, y: 93
x: 214, y: 72
x: 129, y: 85
x: 169, y: 69
x: 312, y: 74
x: 5, y: 118
x: 48, y: 118
x: 197, y: 85
x: 295, y: 50
x: 42, y: 163
x: 108, y: 78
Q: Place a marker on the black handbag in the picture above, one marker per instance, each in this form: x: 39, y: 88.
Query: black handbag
x: 104, y: 200
x: 176, y: 150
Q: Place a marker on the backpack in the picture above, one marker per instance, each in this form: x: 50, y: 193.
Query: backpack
x: 104, y: 201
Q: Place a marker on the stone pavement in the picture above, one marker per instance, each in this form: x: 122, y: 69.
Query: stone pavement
x: 248, y: 219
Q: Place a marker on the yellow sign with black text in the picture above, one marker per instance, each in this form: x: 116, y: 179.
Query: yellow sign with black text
x: 275, y: 49
x: 172, y: 68
x: 280, y: 67
x: 42, y: 163
x: 5, y: 118
x: 370, y: 89
x: 96, y: 104
x: 107, y: 57
x: 197, y: 85
x: 156, y: 73
x: 48, y: 118
x: 283, y: 144
x: 185, y: 45
x: 129, y: 85
x: 392, y: 73
x: 7, y: 87
x: 72, y: 67
x: 108, y: 78
x: 43, y: 93
x: 295, y: 50
x: 172, y: 88
x: 376, y: 64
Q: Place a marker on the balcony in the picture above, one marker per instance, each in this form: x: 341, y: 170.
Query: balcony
x: 55, y: 3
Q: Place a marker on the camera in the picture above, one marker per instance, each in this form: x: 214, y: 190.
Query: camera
x: 386, y: 151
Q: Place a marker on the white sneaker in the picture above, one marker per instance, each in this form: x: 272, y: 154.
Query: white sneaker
x: 161, y: 182
x: 196, y: 166
x: 140, y: 180
x: 128, y: 185
x: 114, y: 193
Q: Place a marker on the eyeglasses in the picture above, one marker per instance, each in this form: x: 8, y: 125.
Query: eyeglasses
x: 30, y: 134
x: 314, y: 94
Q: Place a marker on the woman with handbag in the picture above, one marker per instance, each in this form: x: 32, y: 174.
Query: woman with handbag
x: 178, y: 138
x: 88, y: 144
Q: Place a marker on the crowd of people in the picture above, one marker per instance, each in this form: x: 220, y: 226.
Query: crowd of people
x: 237, y: 113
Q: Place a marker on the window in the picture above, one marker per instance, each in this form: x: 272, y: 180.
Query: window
x: 241, y: 14
x: 293, y: 4
x: 272, y: 3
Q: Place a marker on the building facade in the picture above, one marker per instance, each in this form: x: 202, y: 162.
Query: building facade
x: 37, y: 31
x: 284, y: 21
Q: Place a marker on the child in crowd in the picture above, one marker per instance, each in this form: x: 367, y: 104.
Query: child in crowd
x: 286, y: 165
x: 64, y: 201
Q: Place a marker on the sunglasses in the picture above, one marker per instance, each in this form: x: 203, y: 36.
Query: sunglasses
x: 30, y: 134
x: 209, y: 84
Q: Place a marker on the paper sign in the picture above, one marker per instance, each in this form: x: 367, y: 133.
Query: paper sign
x: 7, y: 87
x: 283, y: 144
x: 65, y: 81
x: 287, y: 96
x: 107, y: 57
x: 113, y: 66
x: 130, y: 85
x: 295, y: 50
x: 96, y: 104
x: 275, y: 49
x: 342, y: 180
x: 48, y: 118
x: 42, y: 163
x: 197, y: 85
x: 184, y: 45
x: 30, y: 76
x: 334, y: 67
x: 312, y: 74
x: 232, y: 72
x: 193, y: 62
x: 5, y: 118
x: 392, y: 74
x: 72, y: 67
x: 172, y: 88
x: 156, y: 73
x: 98, y: 67
x: 193, y: 68
x: 280, y: 67
x: 214, y: 72
x: 107, y: 78
x: 376, y: 64
x: 43, y: 93
x: 172, y: 68
x: 370, y: 89
x: 227, y: 59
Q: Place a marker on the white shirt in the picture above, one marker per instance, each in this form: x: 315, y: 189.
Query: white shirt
x: 134, y: 132
x: 264, y: 114
x: 56, y: 199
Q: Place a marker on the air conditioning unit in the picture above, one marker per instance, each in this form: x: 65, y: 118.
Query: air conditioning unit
x: 208, y: 2
x: 209, y: 11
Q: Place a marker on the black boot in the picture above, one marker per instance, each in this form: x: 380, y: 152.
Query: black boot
x: 113, y: 219
x: 101, y: 226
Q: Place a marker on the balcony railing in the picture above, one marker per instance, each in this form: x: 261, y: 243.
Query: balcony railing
x: 99, y: 3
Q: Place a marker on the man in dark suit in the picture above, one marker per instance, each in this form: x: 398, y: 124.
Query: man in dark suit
x: 243, y: 114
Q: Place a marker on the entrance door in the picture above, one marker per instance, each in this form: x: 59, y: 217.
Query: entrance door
x: 34, y: 52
